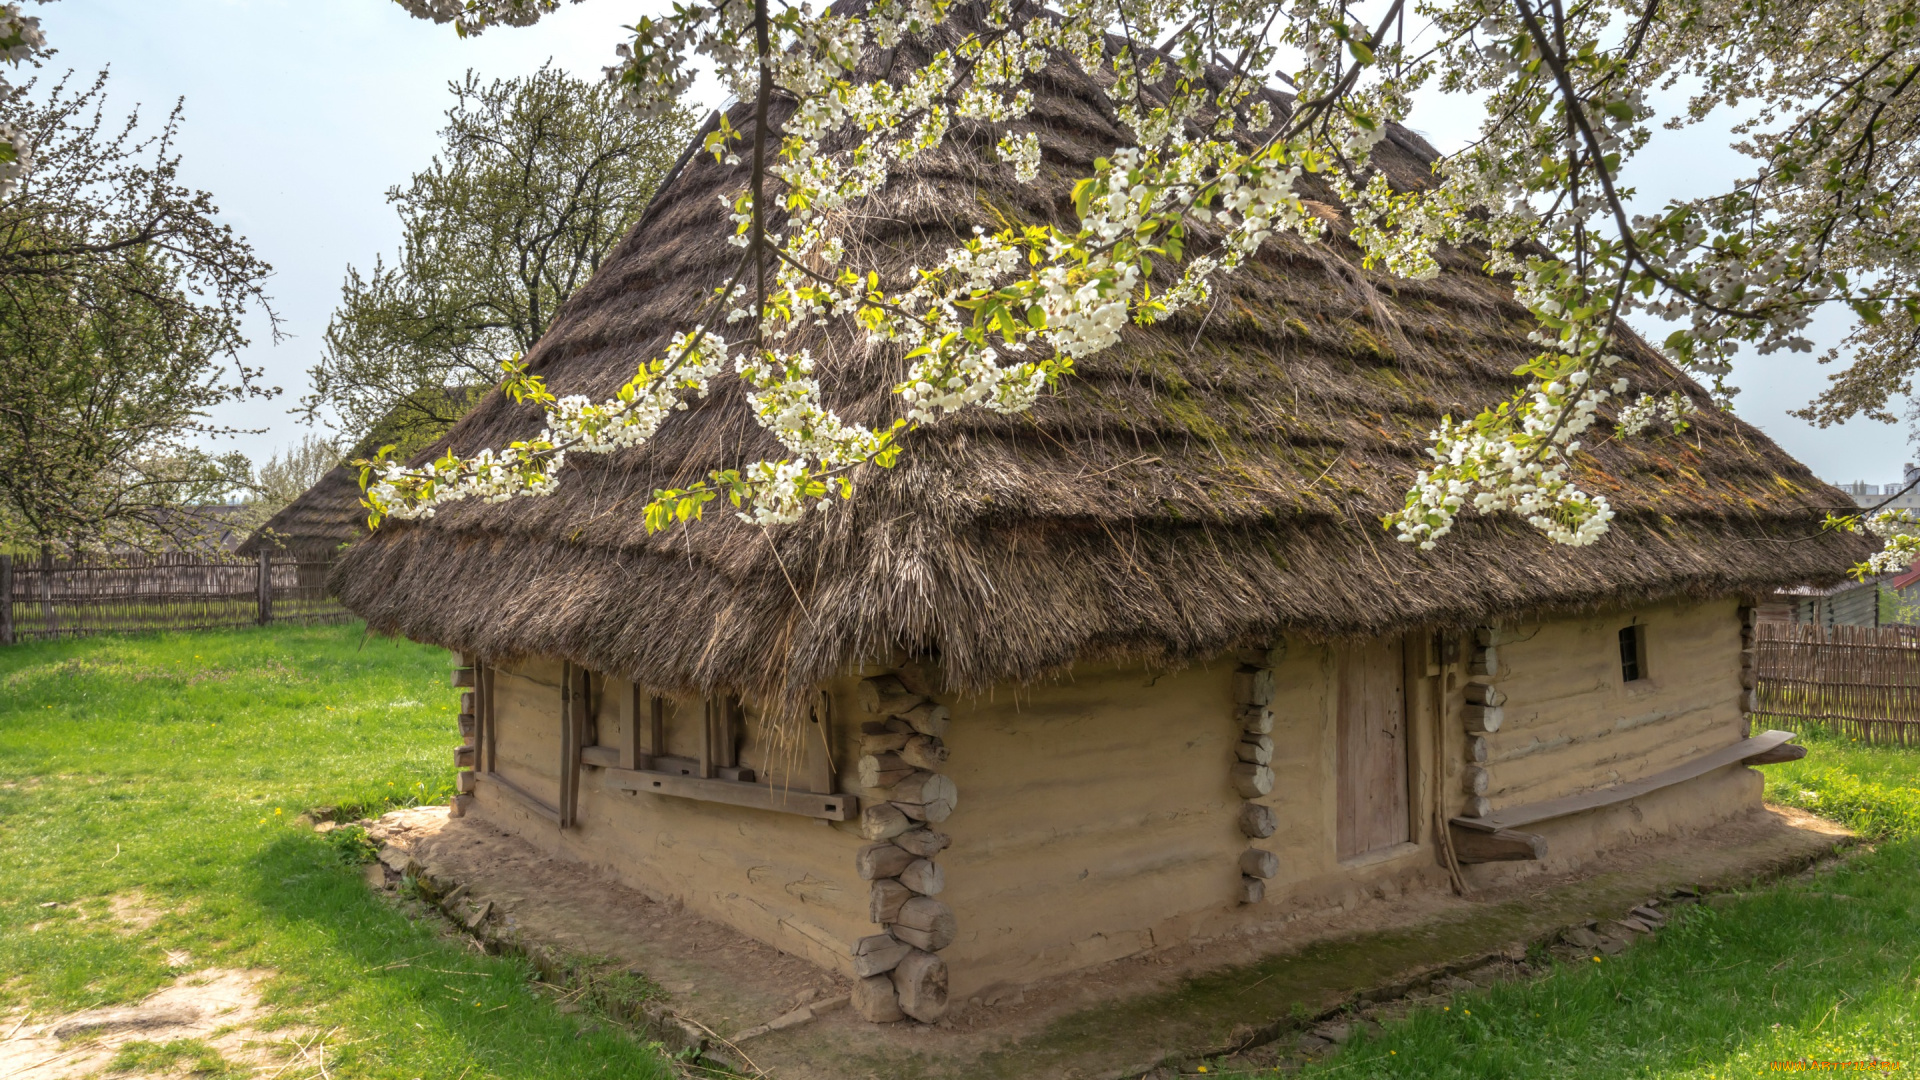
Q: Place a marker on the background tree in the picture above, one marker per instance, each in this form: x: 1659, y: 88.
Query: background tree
x: 288, y: 474
x: 539, y: 176
x: 121, y: 299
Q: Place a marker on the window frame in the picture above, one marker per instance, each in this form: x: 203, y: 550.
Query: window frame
x: 1633, y: 639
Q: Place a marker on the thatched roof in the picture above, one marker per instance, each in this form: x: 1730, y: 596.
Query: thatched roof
x: 315, y: 525
x: 1213, y: 481
x: 328, y: 515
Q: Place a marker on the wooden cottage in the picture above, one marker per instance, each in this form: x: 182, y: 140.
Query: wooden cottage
x: 1138, y: 667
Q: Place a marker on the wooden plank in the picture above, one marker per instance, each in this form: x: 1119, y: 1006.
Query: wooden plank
x: 601, y: 757
x: 656, y: 726
x: 551, y: 813
x: 1526, y: 814
x: 1782, y: 753
x: 673, y: 763
x: 706, y: 738
x: 1474, y: 846
x: 569, y: 750
x: 6, y: 599
x: 633, y: 745
x: 1372, y: 810
x: 817, y: 759
x: 578, y: 698
x: 726, y: 755
x: 734, y: 793
x: 489, y: 760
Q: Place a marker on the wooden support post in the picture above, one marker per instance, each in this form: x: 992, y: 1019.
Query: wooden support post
x: 573, y: 730
x: 6, y: 599
x: 49, y: 626
x: 265, y: 585
x: 707, y: 722
x: 726, y: 752
x: 818, y: 755
x: 488, y: 761
x: 633, y: 747
x: 568, y: 753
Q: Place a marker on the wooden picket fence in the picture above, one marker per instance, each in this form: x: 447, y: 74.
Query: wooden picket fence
x: 48, y: 597
x: 1860, y: 681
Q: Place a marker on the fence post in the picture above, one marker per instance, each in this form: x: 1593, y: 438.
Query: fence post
x: 266, y: 586
x: 6, y: 599
x: 47, y: 620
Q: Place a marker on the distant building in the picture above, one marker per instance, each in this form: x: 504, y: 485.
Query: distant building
x: 1850, y: 603
x: 1904, y: 497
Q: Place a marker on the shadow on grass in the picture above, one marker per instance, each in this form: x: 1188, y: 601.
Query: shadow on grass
x: 420, y: 1000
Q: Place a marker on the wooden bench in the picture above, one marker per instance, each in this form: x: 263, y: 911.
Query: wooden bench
x: 1493, y: 838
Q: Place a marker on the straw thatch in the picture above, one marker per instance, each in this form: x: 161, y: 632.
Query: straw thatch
x: 316, y: 525
x: 328, y: 516
x: 1212, y: 482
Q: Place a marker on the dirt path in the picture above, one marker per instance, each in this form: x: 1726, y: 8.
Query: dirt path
x: 217, y: 1007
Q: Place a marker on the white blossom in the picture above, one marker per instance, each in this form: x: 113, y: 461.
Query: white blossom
x: 1206, y: 175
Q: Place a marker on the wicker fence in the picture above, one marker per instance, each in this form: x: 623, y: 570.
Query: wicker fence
x: 45, y: 598
x: 1861, y: 681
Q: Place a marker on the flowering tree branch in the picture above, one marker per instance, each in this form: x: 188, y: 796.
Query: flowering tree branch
x: 1208, y: 175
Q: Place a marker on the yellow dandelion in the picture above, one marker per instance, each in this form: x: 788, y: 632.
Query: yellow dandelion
x: 1203, y: 1068
x: 1469, y: 1012
x: 277, y: 811
x: 1446, y: 1008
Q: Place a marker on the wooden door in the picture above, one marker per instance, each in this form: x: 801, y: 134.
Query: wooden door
x: 1372, y: 736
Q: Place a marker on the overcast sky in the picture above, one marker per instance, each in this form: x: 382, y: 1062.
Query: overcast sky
x: 301, y: 114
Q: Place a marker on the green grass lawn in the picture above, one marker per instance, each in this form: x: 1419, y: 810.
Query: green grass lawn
x: 1788, y: 973
x: 173, y: 766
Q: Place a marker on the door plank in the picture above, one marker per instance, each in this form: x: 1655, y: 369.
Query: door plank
x: 1371, y: 795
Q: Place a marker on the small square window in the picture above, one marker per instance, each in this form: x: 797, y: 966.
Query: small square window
x: 1633, y: 665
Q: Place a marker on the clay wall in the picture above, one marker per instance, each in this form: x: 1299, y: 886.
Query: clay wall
x: 1572, y: 723
x: 782, y: 878
x: 1096, y: 817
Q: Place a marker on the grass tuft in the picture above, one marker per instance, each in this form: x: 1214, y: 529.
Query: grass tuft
x: 352, y: 844
x: 201, y: 1060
